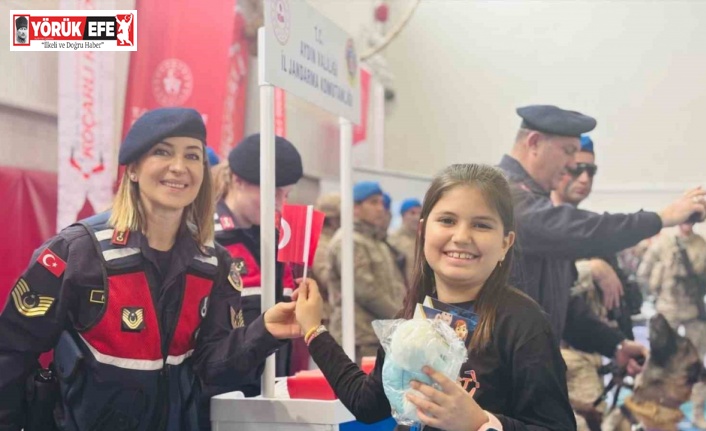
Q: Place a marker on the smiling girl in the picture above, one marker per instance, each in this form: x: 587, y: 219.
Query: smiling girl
x: 514, y: 377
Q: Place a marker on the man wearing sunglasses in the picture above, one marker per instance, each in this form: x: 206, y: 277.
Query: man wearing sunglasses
x: 551, y: 237
x: 578, y: 181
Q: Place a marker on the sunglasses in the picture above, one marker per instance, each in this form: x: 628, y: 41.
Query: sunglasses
x: 580, y: 168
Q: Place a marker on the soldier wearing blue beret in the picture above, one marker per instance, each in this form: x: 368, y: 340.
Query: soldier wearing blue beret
x: 577, y: 184
x: 379, y: 282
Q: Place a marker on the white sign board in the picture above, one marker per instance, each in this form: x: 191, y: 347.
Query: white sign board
x: 309, y: 56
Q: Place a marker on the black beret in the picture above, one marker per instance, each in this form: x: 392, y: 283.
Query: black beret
x: 244, y: 161
x: 157, y: 125
x: 21, y: 22
x: 555, y: 121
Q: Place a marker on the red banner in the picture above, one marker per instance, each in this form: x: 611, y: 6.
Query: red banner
x: 360, y: 131
x: 183, y: 60
x: 236, y: 90
x: 293, y: 228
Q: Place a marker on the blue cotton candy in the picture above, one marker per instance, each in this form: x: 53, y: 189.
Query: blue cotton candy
x: 414, y: 344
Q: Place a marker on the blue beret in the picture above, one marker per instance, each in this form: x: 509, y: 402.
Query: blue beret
x: 586, y: 144
x: 213, y: 159
x: 157, y: 125
x: 244, y: 161
x: 408, y: 204
x: 364, y: 189
x: 555, y: 121
x: 386, y: 201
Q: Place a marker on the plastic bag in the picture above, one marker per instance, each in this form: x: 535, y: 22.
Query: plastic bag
x: 410, y: 345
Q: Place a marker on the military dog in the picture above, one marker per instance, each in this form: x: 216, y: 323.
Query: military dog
x: 672, y: 369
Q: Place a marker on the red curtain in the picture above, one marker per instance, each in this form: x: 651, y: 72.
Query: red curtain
x: 29, y: 200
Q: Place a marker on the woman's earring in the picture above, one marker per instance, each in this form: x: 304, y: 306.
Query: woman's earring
x: 133, y: 177
x: 500, y: 263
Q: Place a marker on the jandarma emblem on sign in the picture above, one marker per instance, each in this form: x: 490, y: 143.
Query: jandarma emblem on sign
x: 73, y: 30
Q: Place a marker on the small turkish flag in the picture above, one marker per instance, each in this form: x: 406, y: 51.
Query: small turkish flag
x: 52, y: 262
x: 296, y: 222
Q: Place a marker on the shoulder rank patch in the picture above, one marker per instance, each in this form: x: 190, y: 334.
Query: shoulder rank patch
x: 236, y: 318
x: 234, y: 277
x: 28, y: 303
x: 133, y: 319
x: 120, y: 237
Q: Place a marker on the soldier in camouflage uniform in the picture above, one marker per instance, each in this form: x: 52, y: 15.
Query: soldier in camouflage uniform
x: 379, y: 287
x: 582, y: 378
x: 663, y: 270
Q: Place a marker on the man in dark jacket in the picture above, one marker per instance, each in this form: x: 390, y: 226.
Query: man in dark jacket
x: 550, y: 238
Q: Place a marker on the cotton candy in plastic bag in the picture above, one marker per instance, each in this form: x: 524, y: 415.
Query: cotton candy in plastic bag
x: 410, y: 345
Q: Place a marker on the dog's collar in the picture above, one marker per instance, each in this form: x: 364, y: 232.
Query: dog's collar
x: 652, y: 415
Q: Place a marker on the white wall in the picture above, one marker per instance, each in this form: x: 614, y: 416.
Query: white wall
x: 462, y: 67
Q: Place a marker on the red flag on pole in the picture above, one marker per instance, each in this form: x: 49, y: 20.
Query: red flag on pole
x: 295, y: 246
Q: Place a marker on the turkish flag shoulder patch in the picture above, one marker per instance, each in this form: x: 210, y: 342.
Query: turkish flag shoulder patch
x: 52, y: 262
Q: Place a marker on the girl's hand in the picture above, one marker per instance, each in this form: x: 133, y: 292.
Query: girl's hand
x: 451, y: 408
x: 310, y: 304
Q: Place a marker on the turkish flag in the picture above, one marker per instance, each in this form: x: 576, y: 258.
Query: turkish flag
x: 294, y: 245
x: 52, y: 262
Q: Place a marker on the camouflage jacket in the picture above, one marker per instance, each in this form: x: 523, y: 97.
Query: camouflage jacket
x: 379, y: 287
x: 321, y: 266
x: 663, y: 271
x: 404, y: 241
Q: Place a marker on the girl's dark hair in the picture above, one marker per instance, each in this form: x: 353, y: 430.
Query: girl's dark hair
x: 494, y: 187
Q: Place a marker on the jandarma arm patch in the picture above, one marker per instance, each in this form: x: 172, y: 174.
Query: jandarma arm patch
x: 29, y: 303
x: 234, y: 277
